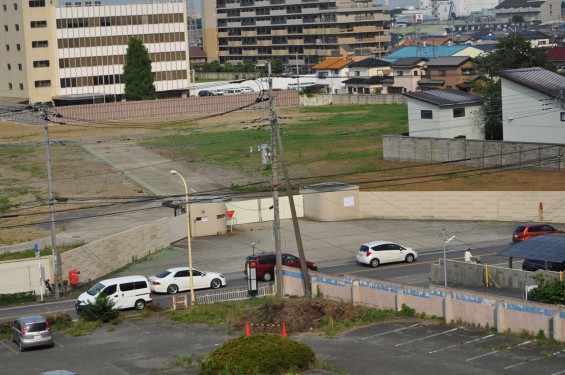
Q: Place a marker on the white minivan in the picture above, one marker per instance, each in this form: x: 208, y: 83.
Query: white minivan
x: 126, y: 292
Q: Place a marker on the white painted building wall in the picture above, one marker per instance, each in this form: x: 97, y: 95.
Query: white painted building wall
x: 530, y: 116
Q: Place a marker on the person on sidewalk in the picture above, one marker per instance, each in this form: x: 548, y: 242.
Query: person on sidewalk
x: 469, y: 258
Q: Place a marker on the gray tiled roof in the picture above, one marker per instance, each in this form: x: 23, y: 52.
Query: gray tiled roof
x: 407, y: 61
x: 519, y: 4
x: 537, y: 79
x: 444, y: 98
x: 448, y: 61
x: 369, y: 63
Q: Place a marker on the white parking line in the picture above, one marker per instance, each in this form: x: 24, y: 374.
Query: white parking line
x: 496, y: 351
x: 394, y: 330
x: 560, y: 372
x: 465, y: 343
x: 59, y: 344
x: 427, y: 337
x: 139, y: 328
x: 117, y: 368
x: 535, y: 359
x: 9, y: 347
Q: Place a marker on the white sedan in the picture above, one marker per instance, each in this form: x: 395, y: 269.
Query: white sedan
x: 177, y: 279
x: 379, y: 252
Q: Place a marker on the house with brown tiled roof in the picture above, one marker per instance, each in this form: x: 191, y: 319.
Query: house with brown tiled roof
x: 557, y: 56
x: 331, y: 73
x: 446, y: 73
x: 196, y: 56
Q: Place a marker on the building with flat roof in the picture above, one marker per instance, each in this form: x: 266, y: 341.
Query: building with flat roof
x: 296, y: 32
x: 70, y: 51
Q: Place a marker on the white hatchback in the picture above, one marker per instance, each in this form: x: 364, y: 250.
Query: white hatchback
x: 379, y: 252
x: 177, y: 279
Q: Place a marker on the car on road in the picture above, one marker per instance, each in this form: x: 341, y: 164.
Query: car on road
x: 536, y: 264
x: 218, y: 91
x: 124, y: 292
x: 177, y: 279
x: 525, y: 231
x: 266, y: 263
x: 205, y: 93
x: 32, y: 332
x: 379, y: 252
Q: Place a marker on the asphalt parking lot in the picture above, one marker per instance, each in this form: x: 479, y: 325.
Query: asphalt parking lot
x: 153, y: 345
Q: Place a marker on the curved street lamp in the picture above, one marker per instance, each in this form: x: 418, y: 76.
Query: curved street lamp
x: 192, y: 301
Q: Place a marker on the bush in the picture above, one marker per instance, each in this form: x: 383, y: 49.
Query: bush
x: 60, y: 322
x: 101, y: 310
x: 258, y: 354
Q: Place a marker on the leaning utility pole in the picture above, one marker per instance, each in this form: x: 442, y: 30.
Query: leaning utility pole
x: 56, y: 265
x: 275, y: 187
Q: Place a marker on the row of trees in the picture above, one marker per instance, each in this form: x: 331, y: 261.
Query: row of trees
x: 247, y: 66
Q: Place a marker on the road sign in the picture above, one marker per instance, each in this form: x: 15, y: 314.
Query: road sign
x: 36, y: 248
x: 230, y: 213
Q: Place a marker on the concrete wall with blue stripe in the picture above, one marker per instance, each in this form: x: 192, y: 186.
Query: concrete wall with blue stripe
x: 454, y: 305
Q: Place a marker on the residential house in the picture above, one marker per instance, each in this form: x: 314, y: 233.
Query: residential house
x: 557, y: 56
x: 367, y: 76
x: 533, y: 105
x: 331, y: 73
x: 197, y: 56
x: 530, y: 10
x: 538, y: 39
x: 407, y: 72
x: 444, y: 114
x: 446, y: 73
x: 431, y: 52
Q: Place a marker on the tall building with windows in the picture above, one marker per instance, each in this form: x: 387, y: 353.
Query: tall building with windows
x: 75, y: 50
x: 297, y: 32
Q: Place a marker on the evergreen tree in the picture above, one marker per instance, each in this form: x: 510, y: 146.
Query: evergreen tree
x: 138, y: 78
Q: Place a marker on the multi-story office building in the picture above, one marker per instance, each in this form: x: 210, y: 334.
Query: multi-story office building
x: 76, y: 50
x: 297, y: 32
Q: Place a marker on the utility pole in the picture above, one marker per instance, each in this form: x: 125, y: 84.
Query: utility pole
x: 56, y: 270
x: 275, y: 187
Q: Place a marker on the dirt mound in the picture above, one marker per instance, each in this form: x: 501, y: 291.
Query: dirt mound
x: 301, y: 315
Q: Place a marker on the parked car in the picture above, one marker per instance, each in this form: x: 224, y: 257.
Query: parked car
x: 218, y: 91
x: 379, y: 252
x: 205, y: 93
x: 232, y: 91
x: 266, y: 263
x: 177, y: 279
x: 125, y: 292
x: 31, y: 332
x: 246, y: 90
x: 525, y: 231
x: 536, y: 264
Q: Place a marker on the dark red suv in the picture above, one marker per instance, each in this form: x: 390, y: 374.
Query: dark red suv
x: 525, y: 231
x: 266, y: 264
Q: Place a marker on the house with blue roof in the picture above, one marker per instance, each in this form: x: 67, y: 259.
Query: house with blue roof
x: 431, y: 52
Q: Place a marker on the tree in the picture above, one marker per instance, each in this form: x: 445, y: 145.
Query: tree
x: 517, y: 18
x: 138, y: 78
x: 548, y: 291
x: 512, y: 52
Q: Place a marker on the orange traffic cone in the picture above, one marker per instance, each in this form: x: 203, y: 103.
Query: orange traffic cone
x: 284, y: 330
x: 247, y: 330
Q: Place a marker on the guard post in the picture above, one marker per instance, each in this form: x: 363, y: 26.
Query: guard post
x: 252, y: 278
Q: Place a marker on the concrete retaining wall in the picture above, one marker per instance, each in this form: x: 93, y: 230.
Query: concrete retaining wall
x: 452, y: 304
x: 23, y: 275
x: 350, y: 99
x: 474, y: 153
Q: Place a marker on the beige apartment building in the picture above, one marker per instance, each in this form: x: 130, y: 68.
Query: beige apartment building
x: 74, y: 51
x: 297, y: 32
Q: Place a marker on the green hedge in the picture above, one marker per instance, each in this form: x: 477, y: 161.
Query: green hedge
x: 17, y: 298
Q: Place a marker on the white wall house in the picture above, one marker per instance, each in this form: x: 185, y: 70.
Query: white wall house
x: 407, y: 72
x: 533, y: 109
x: 332, y: 72
x: 367, y: 76
x: 444, y: 114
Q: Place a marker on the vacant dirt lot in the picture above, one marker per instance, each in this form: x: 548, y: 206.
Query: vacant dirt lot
x: 77, y: 173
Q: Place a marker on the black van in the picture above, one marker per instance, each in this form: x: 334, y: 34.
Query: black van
x: 536, y: 264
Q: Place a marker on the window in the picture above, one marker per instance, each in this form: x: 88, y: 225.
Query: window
x: 562, y: 113
x: 7, y: 47
x: 39, y: 44
x: 43, y: 83
x: 458, y: 112
x: 416, y: 73
x: 126, y: 287
x: 18, y: 47
x: 426, y: 114
x: 109, y: 290
x: 441, y: 73
x: 41, y: 64
x: 21, y: 86
x: 15, y: 6
x: 38, y: 24
x: 20, y: 67
x: 17, y: 27
x: 5, y: 27
x: 9, y: 86
x: 9, y: 66
x: 36, y: 3
x: 5, y: 7
x: 357, y: 74
x: 400, y: 73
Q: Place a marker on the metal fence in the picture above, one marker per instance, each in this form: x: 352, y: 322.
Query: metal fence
x: 234, y: 294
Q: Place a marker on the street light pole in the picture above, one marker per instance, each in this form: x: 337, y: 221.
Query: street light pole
x: 192, y: 301
x: 445, y: 242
